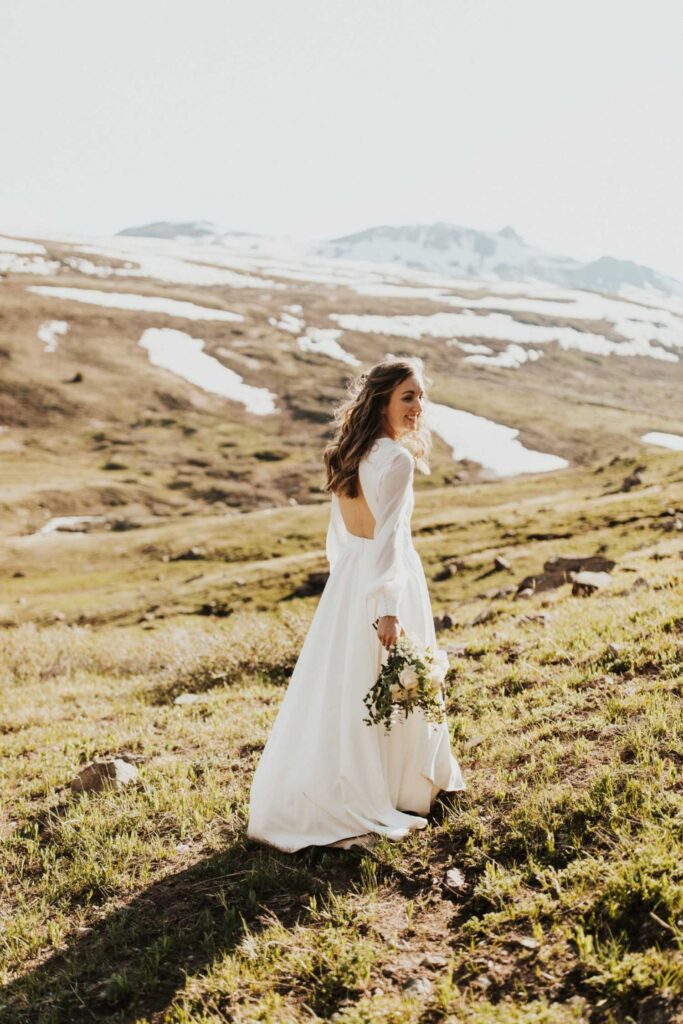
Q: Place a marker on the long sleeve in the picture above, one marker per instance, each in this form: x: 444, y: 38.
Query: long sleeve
x: 392, y: 521
x: 334, y: 541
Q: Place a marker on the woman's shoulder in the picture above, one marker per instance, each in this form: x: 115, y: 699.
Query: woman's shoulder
x: 385, y: 449
x: 385, y: 452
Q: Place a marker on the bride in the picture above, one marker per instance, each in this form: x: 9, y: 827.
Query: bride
x: 324, y: 775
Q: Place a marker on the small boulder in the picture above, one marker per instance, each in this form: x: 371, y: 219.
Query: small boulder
x: 448, y: 570
x: 442, y: 622
x: 192, y: 554
x: 418, y: 987
x: 454, y: 879
x: 501, y: 563
x: 593, y: 563
x: 215, y: 607
x: 313, y: 585
x: 107, y: 773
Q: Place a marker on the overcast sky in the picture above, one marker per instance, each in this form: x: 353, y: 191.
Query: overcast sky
x: 322, y: 117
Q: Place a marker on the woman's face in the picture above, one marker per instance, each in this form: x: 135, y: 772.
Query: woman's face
x: 405, y: 406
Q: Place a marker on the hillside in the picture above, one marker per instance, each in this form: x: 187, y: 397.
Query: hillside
x: 146, y: 378
x: 164, y: 402
x: 549, y: 892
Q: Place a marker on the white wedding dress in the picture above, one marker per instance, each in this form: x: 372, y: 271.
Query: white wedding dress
x: 324, y: 775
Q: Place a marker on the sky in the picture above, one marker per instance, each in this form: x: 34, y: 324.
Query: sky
x: 317, y: 118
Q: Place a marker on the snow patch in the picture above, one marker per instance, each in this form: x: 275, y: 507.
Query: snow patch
x: 499, y: 327
x: 83, y: 266
x: 288, y: 322
x: 673, y: 441
x: 12, y: 264
x: 324, y: 342
x: 511, y: 358
x: 49, y: 331
x: 182, y: 355
x: 67, y: 522
x: 18, y: 245
x: 467, y: 346
x: 142, y: 303
x: 491, y: 444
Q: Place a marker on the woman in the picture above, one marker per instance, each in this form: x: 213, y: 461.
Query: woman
x: 324, y: 775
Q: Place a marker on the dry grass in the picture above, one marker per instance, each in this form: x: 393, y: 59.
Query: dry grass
x: 150, y: 904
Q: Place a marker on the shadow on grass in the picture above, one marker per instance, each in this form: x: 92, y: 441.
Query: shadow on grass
x: 133, y: 961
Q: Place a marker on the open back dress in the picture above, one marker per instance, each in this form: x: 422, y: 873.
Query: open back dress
x: 324, y: 775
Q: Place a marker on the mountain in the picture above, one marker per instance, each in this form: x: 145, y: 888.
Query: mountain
x: 196, y: 229
x: 499, y: 255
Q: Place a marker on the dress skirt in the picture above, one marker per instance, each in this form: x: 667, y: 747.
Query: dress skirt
x: 324, y: 774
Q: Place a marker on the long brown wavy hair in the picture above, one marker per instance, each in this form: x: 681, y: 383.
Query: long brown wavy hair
x: 359, y: 420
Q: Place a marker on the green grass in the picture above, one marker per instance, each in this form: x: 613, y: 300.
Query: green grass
x: 150, y: 905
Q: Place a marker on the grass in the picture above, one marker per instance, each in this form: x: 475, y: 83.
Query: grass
x: 150, y: 905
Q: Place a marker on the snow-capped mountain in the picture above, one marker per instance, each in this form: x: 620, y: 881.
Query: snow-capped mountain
x: 502, y: 255
x: 204, y: 232
x: 440, y: 248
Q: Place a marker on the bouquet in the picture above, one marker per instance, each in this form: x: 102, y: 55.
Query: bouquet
x: 412, y: 677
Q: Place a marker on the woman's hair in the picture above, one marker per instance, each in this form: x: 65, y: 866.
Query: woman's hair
x: 359, y: 420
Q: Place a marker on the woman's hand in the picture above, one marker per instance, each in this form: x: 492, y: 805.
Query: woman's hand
x: 388, y: 630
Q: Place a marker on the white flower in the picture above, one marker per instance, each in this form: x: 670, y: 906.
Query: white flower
x: 435, y: 678
x: 409, y: 678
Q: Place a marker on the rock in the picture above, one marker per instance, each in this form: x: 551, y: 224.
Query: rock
x: 526, y: 941
x: 498, y: 592
x: 593, y: 563
x: 418, y: 987
x: 186, y: 698
x: 442, y: 622
x: 585, y: 583
x: 549, y: 536
x: 640, y: 584
x: 450, y: 568
x: 76, y: 379
x: 58, y: 616
x: 557, y: 571
x: 190, y: 555
x: 454, y: 879
x: 313, y: 585
x: 108, y: 773
x: 218, y: 608
x: 434, y: 960
x: 501, y: 563
x: 239, y: 582
x: 541, y: 581
x: 541, y: 618
x: 633, y: 479
x: 524, y: 593
x: 121, y: 525
x: 485, y: 616
x: 18, y: 574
